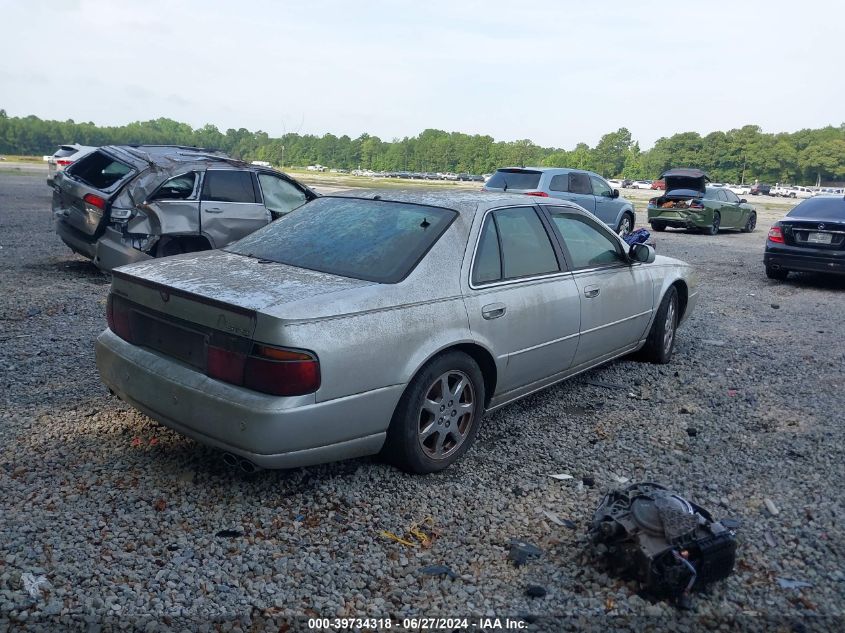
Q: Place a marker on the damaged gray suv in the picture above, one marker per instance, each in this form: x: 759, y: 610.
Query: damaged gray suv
x: 123, y: 204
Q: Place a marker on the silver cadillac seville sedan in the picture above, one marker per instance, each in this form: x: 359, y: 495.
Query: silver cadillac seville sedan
x: 359, y: 325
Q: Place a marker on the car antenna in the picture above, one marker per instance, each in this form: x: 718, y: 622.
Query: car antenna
x: 506, y: 186
x: 425, y: 223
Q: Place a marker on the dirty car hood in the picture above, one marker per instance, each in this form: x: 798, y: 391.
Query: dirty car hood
x: 686, y: 180
x: 236, y: 279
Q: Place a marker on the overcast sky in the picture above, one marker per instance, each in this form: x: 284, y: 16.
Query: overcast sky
x: 554, y: 72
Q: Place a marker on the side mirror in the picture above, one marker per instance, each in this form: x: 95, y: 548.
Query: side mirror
x: 642, y: 253
x: 614, y: 193
x: 742, y: 200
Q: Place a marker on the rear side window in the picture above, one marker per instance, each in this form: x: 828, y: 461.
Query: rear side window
x: 514, y: 179
x: 580, y: 183
x: 521, y: 244
x: 99, y: 170
x: 179, y: 187
x: 559, y: 183
x: 228, y: 186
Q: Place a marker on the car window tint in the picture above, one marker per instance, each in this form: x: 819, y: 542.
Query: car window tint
x: 722, y: 196
x: 526, y: 248
x: 228, y: 186
x: 179, y: 187
x: 514, y: 179
x: 559, y: 183
x: 64, y: 151
x: 488, y: 262
x: 711, y: 194
x: 280, y: 196
x: 99, y: 170
x: 730, y: 196
x: 373, y: 240
x: 588, y: 245
x: 580, y: 183
x: 600, y: 187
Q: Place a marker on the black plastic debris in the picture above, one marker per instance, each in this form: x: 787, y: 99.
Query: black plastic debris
x: 535, y: 591
x: 670, y: 545
x: 692, y: 431
x: 521, y: 551
x: 438, y: 570
x: 229, y: 534
x: 589, y: 481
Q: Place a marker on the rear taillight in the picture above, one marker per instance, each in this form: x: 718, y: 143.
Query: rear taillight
x: 539, y: 194
x: 273, y: 370
x: 776, y: 235
x: 696, y: 204
x: 117, y: 316
x: 95, y: 201
x: 281, y: 372
x: 63, y: 162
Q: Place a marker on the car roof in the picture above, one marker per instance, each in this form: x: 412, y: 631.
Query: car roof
x: 464, y: 202
x: 545, y: 169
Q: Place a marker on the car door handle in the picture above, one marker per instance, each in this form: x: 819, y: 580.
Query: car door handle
x: 591, y: 291
x: 493, y: 310
x: 213, y: 210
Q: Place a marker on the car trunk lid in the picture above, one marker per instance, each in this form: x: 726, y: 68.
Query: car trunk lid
x: 685, y: 183
x: 84, y: 193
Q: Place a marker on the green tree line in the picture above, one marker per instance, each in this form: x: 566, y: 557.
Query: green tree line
x: 746, y: 154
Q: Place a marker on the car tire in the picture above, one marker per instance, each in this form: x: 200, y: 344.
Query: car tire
x: 626, y: 225
x: 778, y: 274
x: 437, y: 418
x: 660, y: 343
x: 658, y: 226
x: 714, y: 228
x: 751, y: 224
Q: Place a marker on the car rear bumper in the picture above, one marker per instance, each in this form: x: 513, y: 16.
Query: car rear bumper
x: 798, y: 259
x: 111, y: 252
x: 269, y: 431
x: 74, y: 239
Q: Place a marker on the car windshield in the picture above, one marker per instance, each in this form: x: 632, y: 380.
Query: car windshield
x: 832, y: 209
x: 373, y: 240
x: 514, y: 179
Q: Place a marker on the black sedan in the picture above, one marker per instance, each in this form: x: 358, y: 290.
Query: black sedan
x: 811, y: 238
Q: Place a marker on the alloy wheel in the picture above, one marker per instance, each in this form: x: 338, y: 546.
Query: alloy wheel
x: 446, y: 415
x: 669, y: 326
x: 624, y: 226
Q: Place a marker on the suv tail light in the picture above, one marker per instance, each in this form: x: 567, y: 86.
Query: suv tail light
x: 117, y: 316
x: 95, y: 201
x: 539, y: 194
x: 776, y: 235
x: 63, y: 162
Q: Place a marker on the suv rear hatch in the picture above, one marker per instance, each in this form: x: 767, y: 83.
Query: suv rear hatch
x: 514, y: 180
x: 83, y: 195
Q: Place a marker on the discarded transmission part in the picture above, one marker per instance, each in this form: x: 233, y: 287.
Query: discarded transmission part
x: 670, y: 545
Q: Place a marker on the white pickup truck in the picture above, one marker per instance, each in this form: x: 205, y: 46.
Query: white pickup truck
x: 789, y: 191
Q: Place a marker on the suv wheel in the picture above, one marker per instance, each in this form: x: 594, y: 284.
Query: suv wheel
x: 626, y: 225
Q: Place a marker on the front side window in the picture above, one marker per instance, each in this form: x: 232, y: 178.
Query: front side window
x: 588, y: 245
x: 731, y: 196
x: 518, y: 239
x: 280, y: 196
x: 600, y: 187
x: 228, y: 186
x: 373, y: 240
x: 580, y: 183
x: 722, y: 195
x: 179, y: 187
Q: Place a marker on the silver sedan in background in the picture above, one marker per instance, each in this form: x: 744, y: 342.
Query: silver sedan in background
x: 359, y: 325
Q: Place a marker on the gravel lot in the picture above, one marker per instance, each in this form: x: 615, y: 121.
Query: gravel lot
x: 121, y: 515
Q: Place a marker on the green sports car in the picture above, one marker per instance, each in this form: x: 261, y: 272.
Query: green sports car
x: 690, y: 204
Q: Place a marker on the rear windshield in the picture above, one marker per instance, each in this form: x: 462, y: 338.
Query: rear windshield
x: 514, y: 179
x: 99, y: 170
x: 373, y: 240
x: 64, y: 150
x: 832, y: 209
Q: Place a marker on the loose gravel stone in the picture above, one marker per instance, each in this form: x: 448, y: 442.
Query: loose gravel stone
x: 82, y: 473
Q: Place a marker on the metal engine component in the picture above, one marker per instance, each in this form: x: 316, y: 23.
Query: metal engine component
x: 670, y: 545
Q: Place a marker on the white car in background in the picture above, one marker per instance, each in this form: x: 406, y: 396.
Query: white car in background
x: 641, y: 184
x: 740, y: 190
x: 64, y: 157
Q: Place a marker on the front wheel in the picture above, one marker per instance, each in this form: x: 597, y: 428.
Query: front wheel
x: 626, y: 224
x: 438, y: 416
x: 661, y: 338
x: 714, y: 228
x: 751, y: 224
